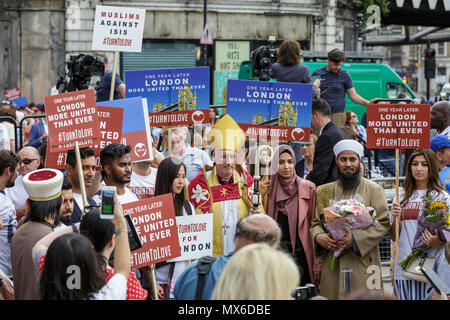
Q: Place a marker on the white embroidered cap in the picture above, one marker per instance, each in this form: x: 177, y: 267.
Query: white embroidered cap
x: 43, y: 184
x: 348, y: 145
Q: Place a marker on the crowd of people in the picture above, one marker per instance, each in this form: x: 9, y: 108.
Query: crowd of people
x: 49, y: 236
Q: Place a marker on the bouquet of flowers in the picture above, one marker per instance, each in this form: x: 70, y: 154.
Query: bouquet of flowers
x: 435, y: 216
x: 350, y: 214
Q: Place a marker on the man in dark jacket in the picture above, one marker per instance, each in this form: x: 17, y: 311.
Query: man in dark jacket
x: 329, y: 134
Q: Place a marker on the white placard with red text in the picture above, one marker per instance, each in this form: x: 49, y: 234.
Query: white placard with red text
x: 118, y: 29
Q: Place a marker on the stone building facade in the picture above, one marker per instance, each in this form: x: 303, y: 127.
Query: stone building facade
x: 40, y: 35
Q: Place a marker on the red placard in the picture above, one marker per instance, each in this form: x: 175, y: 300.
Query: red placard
x: 178, y: 118
x: 72, y: 117
x: 12, y: 94
x: 154, y: 219
x: 110, y: 123
x: 398, y: 126
x: 268, y: 132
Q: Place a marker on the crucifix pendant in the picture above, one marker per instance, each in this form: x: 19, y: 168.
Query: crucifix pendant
x: 225, y: 227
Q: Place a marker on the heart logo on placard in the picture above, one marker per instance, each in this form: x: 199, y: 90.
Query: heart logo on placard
x: 298, y: 134
x: 140, y: 150
x: 198, y: 117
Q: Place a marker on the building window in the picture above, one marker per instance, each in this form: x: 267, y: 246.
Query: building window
x: 441, y: 48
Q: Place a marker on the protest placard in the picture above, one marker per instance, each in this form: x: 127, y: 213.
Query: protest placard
x: 178, y: 118
x: 154, y: 219
x: 72, y: 117
x: 397, y: 126
x: 195, y: 234
x: 135, y: 128
x: 271, y: 110
x: 118, y: 29
x: 20, y: 102
x: 178, y: 89
x: 110, y: 122
x: 11, y: 94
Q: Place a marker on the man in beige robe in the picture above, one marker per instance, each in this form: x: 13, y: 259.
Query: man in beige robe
x: 361, y: 252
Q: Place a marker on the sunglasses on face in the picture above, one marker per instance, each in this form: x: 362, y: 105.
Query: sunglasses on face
x: 27, y: 161
x: 6, y: 102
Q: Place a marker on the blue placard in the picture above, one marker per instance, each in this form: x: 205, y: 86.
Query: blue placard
x: 260, y: 102
x: 174, y: 89
x: 20, y: 102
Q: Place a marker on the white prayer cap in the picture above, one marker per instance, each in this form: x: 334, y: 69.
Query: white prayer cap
x: 348, y: 145
x: 43, y: 184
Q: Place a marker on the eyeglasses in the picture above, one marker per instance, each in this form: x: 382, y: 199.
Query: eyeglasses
x: 27, y: 161
x: 6, y: 102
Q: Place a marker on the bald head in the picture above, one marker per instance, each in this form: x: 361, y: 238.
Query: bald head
x: 257, y: 228
x: 29, y: 160
x: 440, y: 115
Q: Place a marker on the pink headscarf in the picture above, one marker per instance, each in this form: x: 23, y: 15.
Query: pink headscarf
x: 283, y: 193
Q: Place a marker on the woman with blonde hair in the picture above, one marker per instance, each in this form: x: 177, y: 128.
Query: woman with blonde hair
x: 250, y: 275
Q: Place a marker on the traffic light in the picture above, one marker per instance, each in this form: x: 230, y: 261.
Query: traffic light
x: 430, y: 63
x: 405, y: 79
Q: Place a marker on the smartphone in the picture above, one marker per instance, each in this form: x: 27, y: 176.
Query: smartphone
x: 107, y: 210
x: 435, y: 281
x: 133, y: 236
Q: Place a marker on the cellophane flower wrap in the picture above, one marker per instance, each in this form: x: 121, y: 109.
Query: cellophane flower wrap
x: 350, y: 214
x: 435, y: 216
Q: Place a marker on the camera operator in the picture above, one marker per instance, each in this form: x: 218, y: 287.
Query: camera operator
x: 288, y: 67
x: 104, y: 87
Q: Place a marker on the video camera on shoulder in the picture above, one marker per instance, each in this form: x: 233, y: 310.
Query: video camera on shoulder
x: 262, y: 59
x: 81, y: 68
x: 306, y: 292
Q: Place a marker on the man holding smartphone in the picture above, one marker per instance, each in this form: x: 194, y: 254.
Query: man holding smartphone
x: 88, y: 165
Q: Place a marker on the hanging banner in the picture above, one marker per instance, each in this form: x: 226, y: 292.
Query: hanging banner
x: 398, y: 126
x: 195, y: 233
x: 71, y: 117
x: 154, y: 219
x: 118, y: 29
x: 179, y: 89
x: 271, y: 110
x: 135, y: 128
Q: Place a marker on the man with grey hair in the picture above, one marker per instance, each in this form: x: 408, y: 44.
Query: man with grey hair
x: 197, y: 283
x: 193, y: 158
x: 29, y: 162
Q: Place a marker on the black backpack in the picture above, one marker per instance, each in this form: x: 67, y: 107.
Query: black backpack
x: 203, y: 267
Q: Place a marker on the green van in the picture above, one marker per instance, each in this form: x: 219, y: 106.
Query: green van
x: 371, y: 80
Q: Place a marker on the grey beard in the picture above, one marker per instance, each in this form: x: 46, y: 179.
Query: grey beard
x: 348, y: 181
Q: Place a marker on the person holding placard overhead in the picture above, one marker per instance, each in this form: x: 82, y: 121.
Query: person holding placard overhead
x: 226, y: 188
x: 422, y: 177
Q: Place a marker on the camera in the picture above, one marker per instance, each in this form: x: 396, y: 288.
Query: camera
x: 81, y: 68
x: 262, y: 59
x: 306, y: 292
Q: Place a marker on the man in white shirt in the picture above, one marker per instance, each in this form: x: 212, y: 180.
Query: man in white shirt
x: 29, y: 162
x: 143, y: 178
x: 116, y: 164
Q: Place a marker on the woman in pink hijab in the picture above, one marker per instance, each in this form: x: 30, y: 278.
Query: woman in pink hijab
x: 292, y: 203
